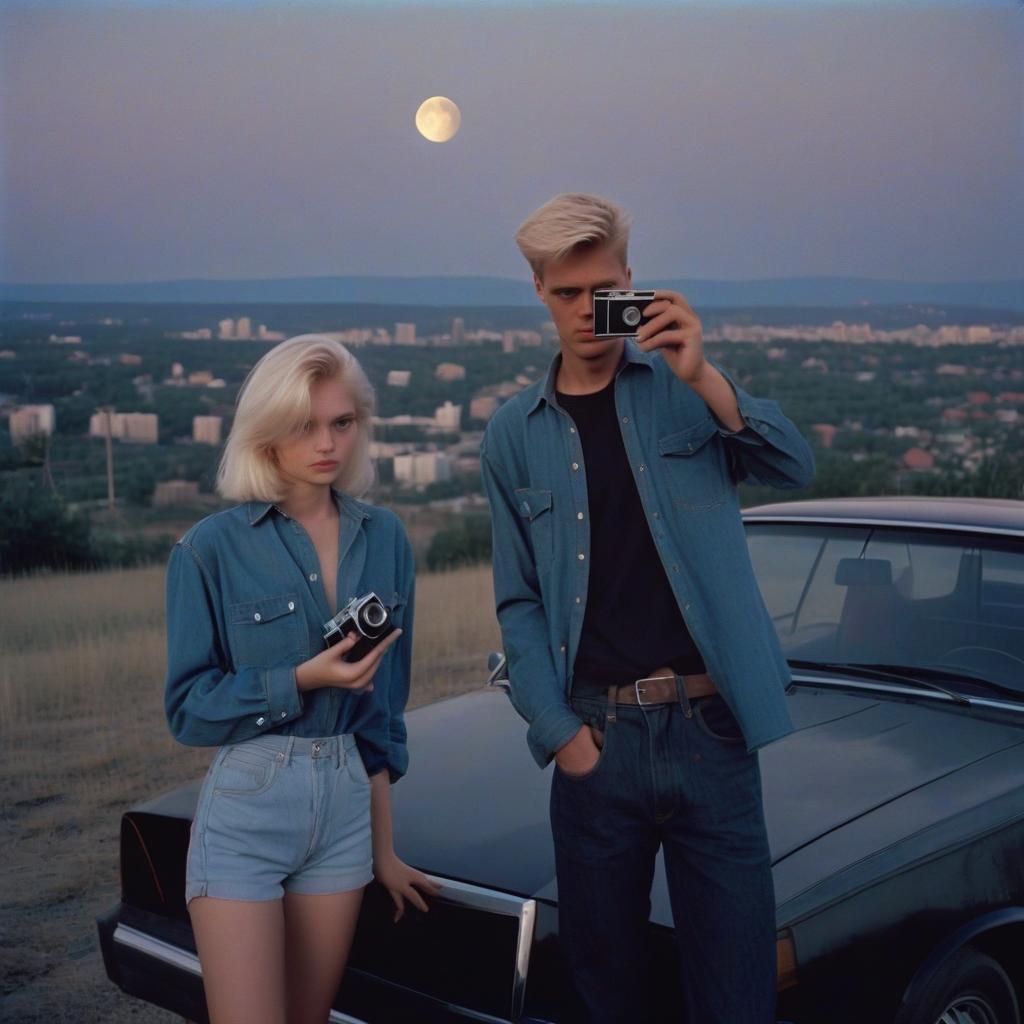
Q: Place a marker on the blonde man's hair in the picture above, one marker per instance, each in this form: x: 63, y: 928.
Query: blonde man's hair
x: 571, y: 220
x: 274, y: 401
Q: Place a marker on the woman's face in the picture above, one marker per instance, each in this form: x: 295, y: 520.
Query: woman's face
x: 320, y: 451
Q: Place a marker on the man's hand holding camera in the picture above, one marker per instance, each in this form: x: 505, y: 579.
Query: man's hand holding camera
x: 676, y: 331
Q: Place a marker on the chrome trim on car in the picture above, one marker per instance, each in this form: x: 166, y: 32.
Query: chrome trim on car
x: 935, y: 527
x: 158, y: 949
x: 462, y: 893
x: 902, y: 689
x: 186, y: 961
x: 496, y: 902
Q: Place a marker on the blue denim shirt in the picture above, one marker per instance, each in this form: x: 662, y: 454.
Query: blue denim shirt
x: 686, y: 466
x: 245, y: 605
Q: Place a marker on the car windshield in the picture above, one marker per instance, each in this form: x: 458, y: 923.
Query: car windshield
x: 950, y: 606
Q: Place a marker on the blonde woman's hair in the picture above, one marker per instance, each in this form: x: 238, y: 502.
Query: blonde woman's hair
x: 569, y: 220
x: 274, y: 401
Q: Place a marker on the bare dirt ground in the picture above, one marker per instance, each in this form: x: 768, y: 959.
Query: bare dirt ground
x: 83, y: 736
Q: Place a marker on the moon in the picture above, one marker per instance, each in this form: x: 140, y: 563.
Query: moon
x: 438, y: 119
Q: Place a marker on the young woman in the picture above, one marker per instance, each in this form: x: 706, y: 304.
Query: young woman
x: 293, y: 818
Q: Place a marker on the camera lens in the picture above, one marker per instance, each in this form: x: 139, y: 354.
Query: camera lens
x: 631, y: 316
x: 374, y: 615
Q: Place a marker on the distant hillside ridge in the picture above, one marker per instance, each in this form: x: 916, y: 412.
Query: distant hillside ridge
x: 503, y: 291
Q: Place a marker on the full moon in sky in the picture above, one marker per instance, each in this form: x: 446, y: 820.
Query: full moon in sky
x: 438, y: 119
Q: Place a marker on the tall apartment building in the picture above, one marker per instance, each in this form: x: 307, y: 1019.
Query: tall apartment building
x: 29, y: 420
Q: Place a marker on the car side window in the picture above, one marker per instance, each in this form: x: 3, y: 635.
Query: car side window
x: 891, y: 595
x: 796, y: 569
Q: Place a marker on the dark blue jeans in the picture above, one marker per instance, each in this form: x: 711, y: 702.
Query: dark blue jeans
x: 678, y: 776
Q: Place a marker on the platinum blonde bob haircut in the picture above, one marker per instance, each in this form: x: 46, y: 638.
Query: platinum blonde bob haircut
x: 274, y: 401
x: 570, y: 220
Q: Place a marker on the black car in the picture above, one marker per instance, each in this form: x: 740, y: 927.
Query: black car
x: 895, y: 810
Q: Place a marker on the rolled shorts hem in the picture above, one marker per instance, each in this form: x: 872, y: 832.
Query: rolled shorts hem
x: 324, y: 886
x: 232, y: 891
x: 262, y: 894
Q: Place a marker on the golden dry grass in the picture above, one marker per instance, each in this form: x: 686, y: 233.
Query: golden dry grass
x: 83, y: 735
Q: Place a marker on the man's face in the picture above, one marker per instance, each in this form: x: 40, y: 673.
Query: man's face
x: 567, y: 289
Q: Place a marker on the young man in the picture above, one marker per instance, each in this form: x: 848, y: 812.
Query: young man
x: 639, y: 649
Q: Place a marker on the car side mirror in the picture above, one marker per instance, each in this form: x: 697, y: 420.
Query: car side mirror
x: 496, y: 666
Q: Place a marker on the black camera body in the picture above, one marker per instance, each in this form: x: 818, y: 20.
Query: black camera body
x: 367, y: 617
x: 619, y: 311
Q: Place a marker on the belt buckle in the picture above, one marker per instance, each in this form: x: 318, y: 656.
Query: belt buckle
x: 638, y: 689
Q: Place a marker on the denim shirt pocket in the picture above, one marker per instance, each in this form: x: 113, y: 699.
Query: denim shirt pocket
x: 266, y: 631
x: 534, y: 505
x: 695, y: 466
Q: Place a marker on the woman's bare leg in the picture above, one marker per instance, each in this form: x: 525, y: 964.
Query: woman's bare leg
x: 318, y: 937
x: 241, y: 950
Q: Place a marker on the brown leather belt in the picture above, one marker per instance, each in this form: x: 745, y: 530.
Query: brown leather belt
x: 660, y: 688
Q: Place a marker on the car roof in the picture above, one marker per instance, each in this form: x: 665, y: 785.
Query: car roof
x: 998, y: 515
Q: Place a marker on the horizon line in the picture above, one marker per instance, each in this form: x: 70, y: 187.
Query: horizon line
x: 142, y: 282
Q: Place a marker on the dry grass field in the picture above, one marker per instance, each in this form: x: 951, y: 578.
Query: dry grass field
x: 83, y: 735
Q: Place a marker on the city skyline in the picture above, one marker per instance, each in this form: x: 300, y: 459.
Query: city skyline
x: 168, y: 141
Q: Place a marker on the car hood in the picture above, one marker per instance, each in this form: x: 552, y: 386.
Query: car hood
x: 474, y: 805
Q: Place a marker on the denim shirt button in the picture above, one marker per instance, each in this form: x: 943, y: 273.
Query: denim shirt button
x: 575, y: 465
x: 260, y: 720
x: 257, y: 617
x: 625, y: 419
x: 291, y: 606
x: 579, y: 515
x: 580, y: 556
x: 312, y: 577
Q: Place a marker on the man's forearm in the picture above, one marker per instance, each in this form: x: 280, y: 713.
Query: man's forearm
x: 767, y: 447
x: 719, y: 397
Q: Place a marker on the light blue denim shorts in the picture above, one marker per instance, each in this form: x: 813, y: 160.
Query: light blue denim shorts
x: 280, y: 813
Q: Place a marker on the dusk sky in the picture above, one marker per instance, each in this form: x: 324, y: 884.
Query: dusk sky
x: 149, y: 141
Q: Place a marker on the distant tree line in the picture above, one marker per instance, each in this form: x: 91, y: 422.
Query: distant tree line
x: 465, y: 543
x: 38, y: 531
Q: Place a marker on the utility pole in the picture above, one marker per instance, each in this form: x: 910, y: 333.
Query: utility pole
x: 47, y: 473
x: 110, y: 459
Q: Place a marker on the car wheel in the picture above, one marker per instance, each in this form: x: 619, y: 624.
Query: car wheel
x: 968, y: 987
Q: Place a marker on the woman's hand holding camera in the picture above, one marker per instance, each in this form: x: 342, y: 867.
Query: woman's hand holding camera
x: 329, y: 668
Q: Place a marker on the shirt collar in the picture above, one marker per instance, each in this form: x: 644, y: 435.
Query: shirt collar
x: 347, y: 506
x: 630, y: 354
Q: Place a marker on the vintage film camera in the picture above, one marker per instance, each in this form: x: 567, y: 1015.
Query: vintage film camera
x: 366, y: 616
x: 618, y: 311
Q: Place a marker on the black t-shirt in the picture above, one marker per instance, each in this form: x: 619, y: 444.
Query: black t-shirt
x: 632, y: 623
